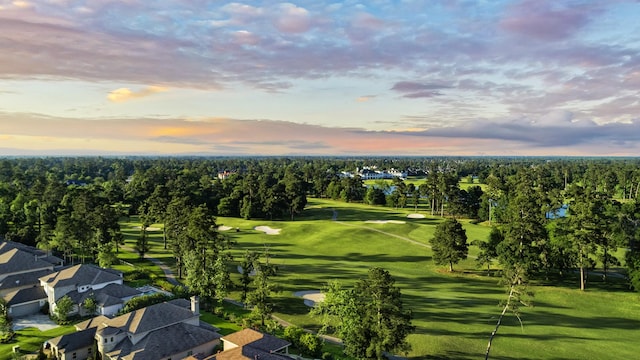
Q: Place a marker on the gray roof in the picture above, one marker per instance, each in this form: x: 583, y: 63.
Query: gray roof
x: 54, y: 260
x: 151, y: 318
x: 25, y: 295
x: 16, y: 260
x: 93, y: 322
x: 74, y: 341
x: 18, y: 280
x: 167, y: 341
x: 109, y: 295
x: 9, y: 245
x: 83, y: 274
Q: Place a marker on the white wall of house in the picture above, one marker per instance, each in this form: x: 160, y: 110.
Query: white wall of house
x: 110, y: 310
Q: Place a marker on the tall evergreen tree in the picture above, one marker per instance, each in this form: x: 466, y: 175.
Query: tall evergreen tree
x: 449, y: 243
x: 370, y: 318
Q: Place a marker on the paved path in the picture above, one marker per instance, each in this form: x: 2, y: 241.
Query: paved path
x: 168, y: 273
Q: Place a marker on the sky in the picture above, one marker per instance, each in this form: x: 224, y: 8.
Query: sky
x: 316, y: 77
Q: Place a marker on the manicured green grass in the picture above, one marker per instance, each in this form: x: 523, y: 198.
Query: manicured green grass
x: 31, y: 339
x: 454, y: 313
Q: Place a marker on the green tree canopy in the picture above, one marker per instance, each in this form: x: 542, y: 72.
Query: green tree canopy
x: 370, y: 318
x: 449, y: 243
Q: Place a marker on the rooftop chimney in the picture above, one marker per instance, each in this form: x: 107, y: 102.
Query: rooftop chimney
x: 195, y: 305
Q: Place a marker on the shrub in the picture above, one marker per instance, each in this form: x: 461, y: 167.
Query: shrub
x: 137, y: 274
x: 143, y: 301
x: 293, y: 334
x: 311, y: 344
x: 327, y: 356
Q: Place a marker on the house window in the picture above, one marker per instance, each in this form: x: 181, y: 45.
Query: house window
x: 75, y: 356
x: 112, y: 339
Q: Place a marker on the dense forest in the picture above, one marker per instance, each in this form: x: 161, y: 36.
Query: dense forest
x: 72, y: 205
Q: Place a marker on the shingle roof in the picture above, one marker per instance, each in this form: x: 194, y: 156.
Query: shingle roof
x: 167, y: 341
x: 25, y: 295
x: 151, y: 318
x: 93, y: 322
x: 109, y: 295
x: 74, y: 341
x: 82, y: 274
x: 9, y: 245
x: 17, y: 280
x: 16, y: 260
x: 256, y: 339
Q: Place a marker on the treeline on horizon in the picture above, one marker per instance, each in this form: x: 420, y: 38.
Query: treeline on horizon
x: 73, y: 205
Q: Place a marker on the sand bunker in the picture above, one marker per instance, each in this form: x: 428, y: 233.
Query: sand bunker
x: 416, y: 216
x: 311, y: 297
x: 224, y: 228
x: 241, y: 271
x: 149, y: 228
x: 385, y: 222
x: 267, y: 230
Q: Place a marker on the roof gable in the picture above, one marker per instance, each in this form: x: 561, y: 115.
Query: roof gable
x: 81, y: 275
x: 25, y: 295
x: 167, y: 341
x: 257, y: 340
x: 150, y: 318
x: 77, y: 340
x: 16, y: 260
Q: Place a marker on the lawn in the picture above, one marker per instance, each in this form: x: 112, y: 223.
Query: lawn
x: 454, y: 313
x: 31, y: 339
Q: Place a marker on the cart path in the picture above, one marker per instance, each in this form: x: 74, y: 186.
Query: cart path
x: 168, y: 272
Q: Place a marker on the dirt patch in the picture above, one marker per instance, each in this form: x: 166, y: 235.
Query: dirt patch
x: 416, y: 216
x: 311, y: 297
x: 385, y: 222
x: 268, y: 230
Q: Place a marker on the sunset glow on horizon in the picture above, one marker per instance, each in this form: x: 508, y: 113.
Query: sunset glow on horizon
x: 397, y: 77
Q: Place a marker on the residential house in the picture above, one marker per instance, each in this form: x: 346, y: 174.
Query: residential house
x: 250, y: 344
x: 82, y: 281
x: 21, y: 267
x: 76, y: 346
x: 167, y: 331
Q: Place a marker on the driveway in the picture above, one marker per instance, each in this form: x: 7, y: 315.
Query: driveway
x: 42, y: 322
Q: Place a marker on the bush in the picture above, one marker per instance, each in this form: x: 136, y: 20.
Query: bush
x: 327, y: 356
x: 310, y: 344
x: 6, y: 337
x: 137, y: 274
x: 45, y: 309
x: 293, y: 334
x: 143, y: 301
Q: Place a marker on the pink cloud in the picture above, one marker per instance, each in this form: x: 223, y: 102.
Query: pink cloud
x: 545, y: 20
x: 292, y: 19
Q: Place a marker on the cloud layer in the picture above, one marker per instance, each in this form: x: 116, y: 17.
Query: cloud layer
x: 520, y: 75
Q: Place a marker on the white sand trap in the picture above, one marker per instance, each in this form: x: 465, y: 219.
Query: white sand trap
x: 311, y: 297
x: 267, y: 230
x: 416, y: 216
x: 241, y: 271
x: 385, y: 222
x: 224, y: 228
x: 149, y: 228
